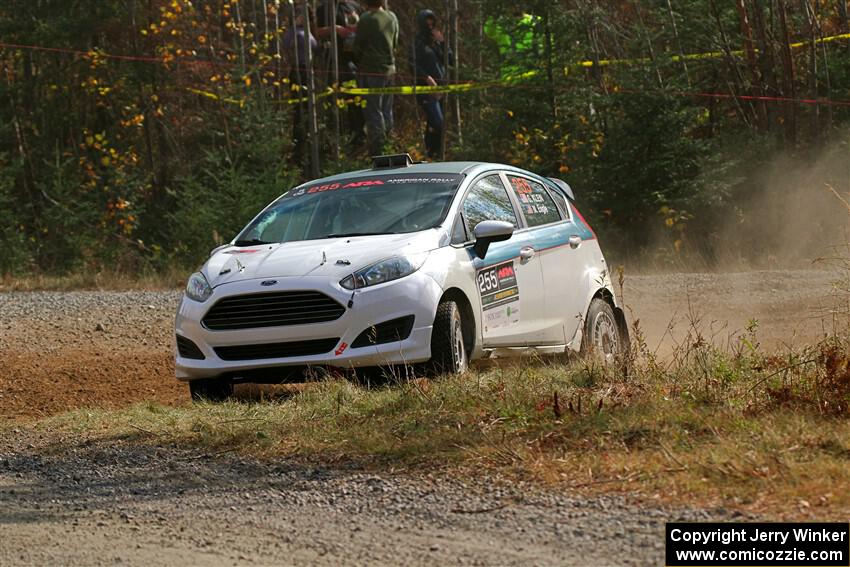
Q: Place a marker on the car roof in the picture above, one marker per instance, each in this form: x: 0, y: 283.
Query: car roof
x: 452, y: 167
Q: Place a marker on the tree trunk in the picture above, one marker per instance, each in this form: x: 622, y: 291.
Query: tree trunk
x: 790, y: 115
x: 311, y: 95
x: 649, y: 45
x: 456, y: 41
x: 550, y: 75
x: 766, y: 59
x: 678, y: 41
x: 814, y: 125
x: 335, y: 65
x: 748, y: 111
x: 749, y: 51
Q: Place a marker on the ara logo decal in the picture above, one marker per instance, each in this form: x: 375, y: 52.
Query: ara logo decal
x: 506, y: 272
x: 341, y: 348
x: 268, y: 282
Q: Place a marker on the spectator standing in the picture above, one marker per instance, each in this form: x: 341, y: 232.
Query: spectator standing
x: 295, y: 40
x: 374, y: 51
x: 429, y: 53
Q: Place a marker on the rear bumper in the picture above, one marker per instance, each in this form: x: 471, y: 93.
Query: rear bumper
x: 417, y: 295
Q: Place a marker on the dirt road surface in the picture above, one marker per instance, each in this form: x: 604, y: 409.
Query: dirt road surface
x: 108, y: 505
x: 72, y: 501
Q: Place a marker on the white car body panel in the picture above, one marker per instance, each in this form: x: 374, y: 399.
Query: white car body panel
x: 555, y: 287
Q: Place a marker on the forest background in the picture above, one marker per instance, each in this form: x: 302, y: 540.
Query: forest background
x: 136, y: 135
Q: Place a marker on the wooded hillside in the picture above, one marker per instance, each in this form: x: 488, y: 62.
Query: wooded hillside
x: 135, y: 134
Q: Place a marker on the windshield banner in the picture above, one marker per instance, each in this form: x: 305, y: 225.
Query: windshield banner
x: 375, y: 181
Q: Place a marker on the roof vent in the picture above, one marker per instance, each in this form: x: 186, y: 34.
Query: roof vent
x: 393, y: 160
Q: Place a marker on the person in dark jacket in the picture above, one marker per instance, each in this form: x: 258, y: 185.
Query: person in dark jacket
x: 428, y: 59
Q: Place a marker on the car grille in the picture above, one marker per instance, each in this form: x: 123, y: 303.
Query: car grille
x: 275, y: 309
x: 188, y: 349
x: 276, y: 350
x: 386, y: 332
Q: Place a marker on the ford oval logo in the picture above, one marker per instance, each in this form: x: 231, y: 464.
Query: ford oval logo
x: 268, y: 282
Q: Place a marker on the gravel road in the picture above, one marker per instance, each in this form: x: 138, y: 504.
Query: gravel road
x: 70, y: 500
x: 91, y: 504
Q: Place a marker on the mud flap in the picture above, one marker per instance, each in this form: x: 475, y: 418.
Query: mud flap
x: 623, y: 327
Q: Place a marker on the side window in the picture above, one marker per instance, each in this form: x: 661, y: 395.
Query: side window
x: 459, y: 232
x: 488, y: 200
x: 537, y: 206
x: 562, y: 202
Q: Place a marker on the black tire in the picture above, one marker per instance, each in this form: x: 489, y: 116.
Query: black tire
x: 602, y: 335
x: 448, y: 347
x: 211, y: 389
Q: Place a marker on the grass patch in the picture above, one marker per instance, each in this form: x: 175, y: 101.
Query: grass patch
x: 118, y: 280
x: 719, y: 428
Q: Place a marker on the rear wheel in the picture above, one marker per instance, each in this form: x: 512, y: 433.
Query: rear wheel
x: 211, y: 389
x: 448, y: 348
x: 601, y: 333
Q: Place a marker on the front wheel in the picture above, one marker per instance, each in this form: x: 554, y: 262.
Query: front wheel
x: 211, y: 389
x: 601, y: 333
x: 448, y: 348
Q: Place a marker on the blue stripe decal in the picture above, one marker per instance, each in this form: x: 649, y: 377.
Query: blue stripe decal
x: 540, y: 238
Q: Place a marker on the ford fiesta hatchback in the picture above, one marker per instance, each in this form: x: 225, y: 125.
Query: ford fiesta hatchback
x: 404, y: 263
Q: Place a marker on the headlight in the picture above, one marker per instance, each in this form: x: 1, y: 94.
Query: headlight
x: 198, y: 287
x: 385, y: 271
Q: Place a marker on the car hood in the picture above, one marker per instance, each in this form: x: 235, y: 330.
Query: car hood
x: 326, y: 257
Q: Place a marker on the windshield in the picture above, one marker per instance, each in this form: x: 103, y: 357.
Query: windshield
x: 381, y: 204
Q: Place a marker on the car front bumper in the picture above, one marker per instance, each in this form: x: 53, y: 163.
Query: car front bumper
x: 417, y: 294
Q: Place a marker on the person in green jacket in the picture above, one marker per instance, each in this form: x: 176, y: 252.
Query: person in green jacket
x: 374, y: 51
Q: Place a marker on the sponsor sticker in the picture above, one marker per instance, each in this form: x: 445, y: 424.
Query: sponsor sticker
x: 499, y: 295
x: 372, y: 182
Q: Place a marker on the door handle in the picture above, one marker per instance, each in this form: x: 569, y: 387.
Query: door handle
x: 575, y: 241
x: 526, y: 254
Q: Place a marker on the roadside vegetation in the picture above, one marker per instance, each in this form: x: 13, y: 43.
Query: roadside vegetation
x: 115, y: 279
x: 707, y: 425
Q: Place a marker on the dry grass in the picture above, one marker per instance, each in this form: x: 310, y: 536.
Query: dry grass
x: 722, y: 427
x: 172, y: 278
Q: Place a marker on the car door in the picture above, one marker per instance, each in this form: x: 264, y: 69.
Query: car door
x: 556, y: 241
x: 509, y: 279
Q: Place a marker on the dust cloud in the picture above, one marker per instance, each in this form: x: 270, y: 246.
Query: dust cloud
x: 787, y: 216
x: 779, y: 262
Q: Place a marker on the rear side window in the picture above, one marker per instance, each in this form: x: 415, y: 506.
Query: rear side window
x: 488, y: 200
x: 537, y: 206
x: 562, y: 202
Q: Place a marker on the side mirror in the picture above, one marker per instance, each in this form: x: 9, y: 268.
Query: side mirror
x: 489, y: 231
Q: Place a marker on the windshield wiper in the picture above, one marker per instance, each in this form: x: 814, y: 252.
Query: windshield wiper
x: 252, y: 242
x: 344, y: 234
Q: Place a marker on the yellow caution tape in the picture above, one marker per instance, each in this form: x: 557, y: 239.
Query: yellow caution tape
x: 695, y: 56
x: 241, y: 102
x: 346, y: 89
x: 214, y: 96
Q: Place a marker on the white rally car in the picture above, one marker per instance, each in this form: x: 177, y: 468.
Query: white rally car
x: 399, y: 264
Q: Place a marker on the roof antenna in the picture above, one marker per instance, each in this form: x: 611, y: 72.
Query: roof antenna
x: 324, y: 258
